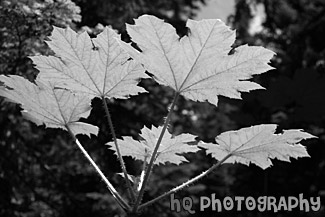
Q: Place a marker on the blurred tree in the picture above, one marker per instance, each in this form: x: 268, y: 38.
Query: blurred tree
x: 118, y: 12
x: 35, y: 174
x: 295, y: 92
x: 43, y: 173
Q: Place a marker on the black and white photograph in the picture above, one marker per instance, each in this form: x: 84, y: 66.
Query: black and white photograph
x: 164, y: 108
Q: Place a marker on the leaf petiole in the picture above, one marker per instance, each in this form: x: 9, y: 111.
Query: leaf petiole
x: 180, y: 187
x: 111, y: 188
x: 154, y: 154
x: 110, y: 123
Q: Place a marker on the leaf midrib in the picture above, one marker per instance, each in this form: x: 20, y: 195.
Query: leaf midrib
x: 165, y: 53
x: 80, y: 61
x: 197, y: 58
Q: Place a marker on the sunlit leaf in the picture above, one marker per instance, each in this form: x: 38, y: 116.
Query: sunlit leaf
x: 168, y: 151
x: 45, y: 104
x: 258, y: 145
x: 97, y: 67
x: 198, y: 65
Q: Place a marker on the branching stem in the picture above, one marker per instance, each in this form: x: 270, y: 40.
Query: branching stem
x: 111, y: 188
x: 110, y: 123
x: 154, y: 155
x: 180, y: 187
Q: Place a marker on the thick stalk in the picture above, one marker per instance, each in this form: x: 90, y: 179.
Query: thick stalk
x: 111, y: 188
x: 110, y: 123
x: 154, y: 154
x: 180, y: 187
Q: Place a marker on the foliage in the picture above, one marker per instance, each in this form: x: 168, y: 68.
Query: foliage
x: 33, y: 181
x: 117, y: 13
x: 43, y: 173
x: 51, y: 163
x: 45, y: 104
x: 258, y: 145
x: 189, y: 65
x: 169, y: 149
x: 59, y: 102
x: 78, y: 66
x: 24, y: 26
x: 293, y: 29
x: 294, y: 96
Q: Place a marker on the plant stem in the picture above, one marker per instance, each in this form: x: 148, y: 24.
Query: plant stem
x: 154, y: 154
x: 111, y: 188
x: 180, y: 187
x: 110, y: 123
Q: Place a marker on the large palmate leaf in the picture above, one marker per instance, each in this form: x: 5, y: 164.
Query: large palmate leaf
x: 257, y: 145
x: 101, y: 71
x: 198, y: 65
x: 45, y: 104
x: 168, y: 150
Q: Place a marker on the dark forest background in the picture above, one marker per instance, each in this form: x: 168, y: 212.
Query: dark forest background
x: 42, y: 173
